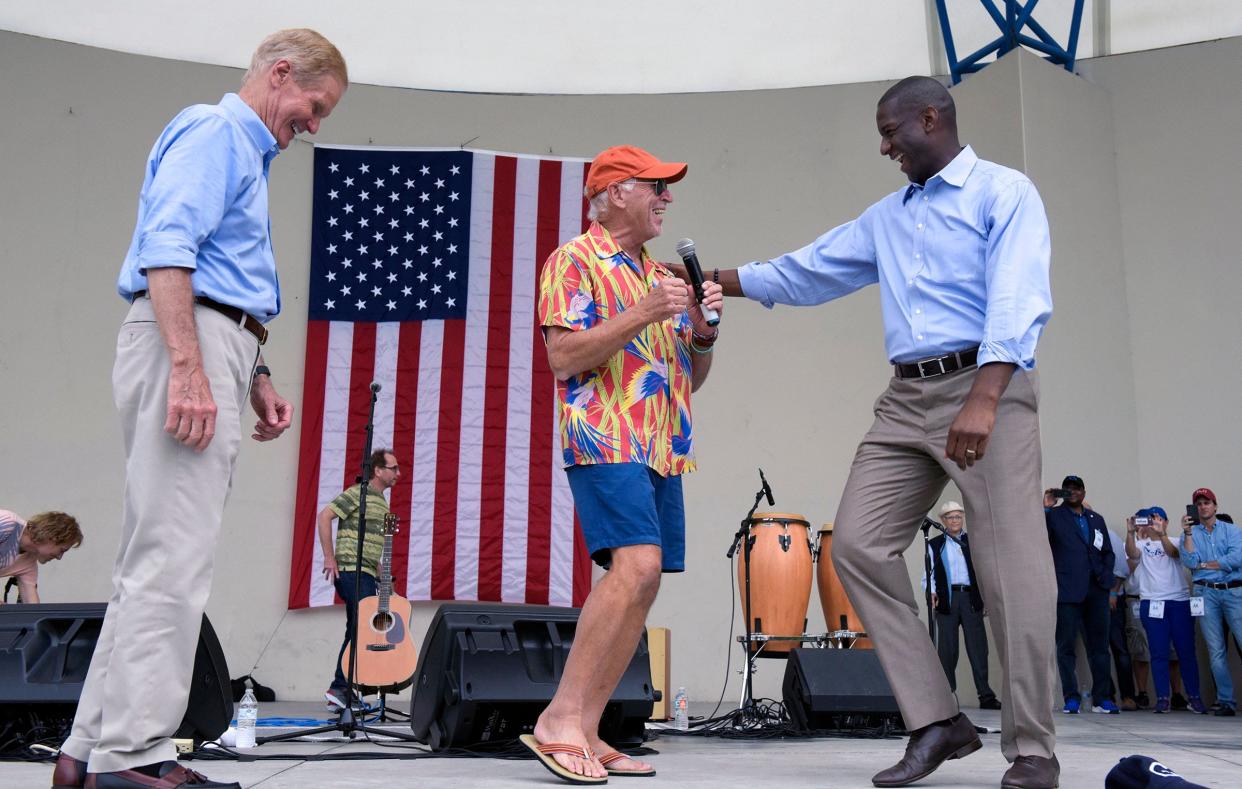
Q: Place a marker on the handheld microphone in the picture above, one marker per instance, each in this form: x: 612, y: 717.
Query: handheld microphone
x: 375, y: 387
x: 685, y: 248
x: 767, y: 489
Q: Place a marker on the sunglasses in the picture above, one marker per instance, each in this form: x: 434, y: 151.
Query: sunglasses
x: 659, y: 185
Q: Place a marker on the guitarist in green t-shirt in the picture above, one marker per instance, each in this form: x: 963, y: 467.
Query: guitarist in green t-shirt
x: 340, y: 559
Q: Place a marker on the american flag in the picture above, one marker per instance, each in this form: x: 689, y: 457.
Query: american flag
x: 424, y: 272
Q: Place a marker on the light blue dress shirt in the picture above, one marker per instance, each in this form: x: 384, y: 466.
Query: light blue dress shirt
x: 962, y: 261
x: 956, y: 571
x: 203, y: 206
x: 1223, y: 545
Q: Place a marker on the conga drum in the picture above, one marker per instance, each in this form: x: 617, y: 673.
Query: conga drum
x: 838, y: 613
x: 780, y: 578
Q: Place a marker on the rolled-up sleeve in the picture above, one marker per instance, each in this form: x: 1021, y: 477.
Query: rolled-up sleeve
x: 1019, y: 293
x: 836, y: 264
x: 191, y: 189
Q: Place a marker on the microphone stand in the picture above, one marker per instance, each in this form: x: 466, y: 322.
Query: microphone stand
x: 747, y: 541
x: 346, y: 722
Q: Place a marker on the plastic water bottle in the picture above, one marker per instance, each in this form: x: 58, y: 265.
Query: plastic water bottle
x: 681, y: 710
x: 247, y: 717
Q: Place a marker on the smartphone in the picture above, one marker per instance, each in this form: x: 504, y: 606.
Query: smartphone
x: 1142, y: 521
x: 1192, y: 512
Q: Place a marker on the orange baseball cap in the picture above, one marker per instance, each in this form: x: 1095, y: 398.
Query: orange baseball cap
x: 621, y: 162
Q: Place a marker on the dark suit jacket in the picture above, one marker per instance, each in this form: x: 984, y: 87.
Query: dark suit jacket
x: 1080, y: 565
x: 942, y: 578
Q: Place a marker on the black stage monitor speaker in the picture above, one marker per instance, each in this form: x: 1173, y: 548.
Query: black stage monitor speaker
x: 45, y: 651
x: 487, y: 670
x: 837, y: 688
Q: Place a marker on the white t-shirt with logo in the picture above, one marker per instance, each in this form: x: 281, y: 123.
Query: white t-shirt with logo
x: 1159, y: 576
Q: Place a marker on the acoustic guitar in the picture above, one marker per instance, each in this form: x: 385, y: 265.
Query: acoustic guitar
x: 387, y: 656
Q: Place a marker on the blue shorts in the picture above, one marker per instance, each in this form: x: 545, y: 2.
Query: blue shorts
x: 623, y: 504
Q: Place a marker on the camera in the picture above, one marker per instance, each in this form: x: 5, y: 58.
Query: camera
x: 1060, y: 493
x: 1142, y: 520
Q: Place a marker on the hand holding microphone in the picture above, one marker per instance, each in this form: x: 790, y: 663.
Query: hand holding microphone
x: 690, y: 258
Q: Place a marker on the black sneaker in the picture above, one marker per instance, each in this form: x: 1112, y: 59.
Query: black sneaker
x: 1224, y: 711
x: 1143, y: 700
x: 1178, y: 702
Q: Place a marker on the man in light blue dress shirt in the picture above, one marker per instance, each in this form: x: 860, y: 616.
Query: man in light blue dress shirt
x: 200, y: 277
x: 961, y: 255
x: 1212, y: 550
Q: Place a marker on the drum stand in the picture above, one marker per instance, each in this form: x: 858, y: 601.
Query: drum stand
x: 744, y: 538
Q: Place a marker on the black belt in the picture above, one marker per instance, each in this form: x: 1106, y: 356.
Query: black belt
x: 938, y: 365
x: 235, y: 314
x: 964, y: 587
x: 1219, y: 584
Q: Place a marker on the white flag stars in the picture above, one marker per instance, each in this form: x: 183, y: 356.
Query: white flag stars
x: 424, y: 235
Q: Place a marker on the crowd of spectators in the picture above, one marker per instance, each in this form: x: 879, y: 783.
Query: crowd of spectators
x: 1132, y: 598
x: 1138, y: 599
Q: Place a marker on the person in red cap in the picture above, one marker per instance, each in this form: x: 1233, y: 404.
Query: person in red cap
x: 628, y: 343
x: 1212, y: 551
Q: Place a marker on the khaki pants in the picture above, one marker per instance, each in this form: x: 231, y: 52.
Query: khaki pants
x: 898, y: 475
x: 137, y: 688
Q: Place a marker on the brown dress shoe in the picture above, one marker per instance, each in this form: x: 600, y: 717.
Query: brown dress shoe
x: 928, y: 748
x: 69, y: 773
x: 171, y: 776
x: 1032, y: 772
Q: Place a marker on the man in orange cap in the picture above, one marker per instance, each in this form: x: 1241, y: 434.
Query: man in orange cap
x: 628, y: 343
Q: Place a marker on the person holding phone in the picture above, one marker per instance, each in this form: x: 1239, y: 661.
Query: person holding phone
x: 1212, y: 550
x: 1164, y: 603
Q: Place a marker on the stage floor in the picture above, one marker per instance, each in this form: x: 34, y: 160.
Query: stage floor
x: 1203, y: 749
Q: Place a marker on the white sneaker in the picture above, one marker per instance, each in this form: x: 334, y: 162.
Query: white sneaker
x: 336, y: 702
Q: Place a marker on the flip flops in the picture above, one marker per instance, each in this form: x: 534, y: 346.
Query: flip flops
x: 545, y: 751
x: 616, y: 756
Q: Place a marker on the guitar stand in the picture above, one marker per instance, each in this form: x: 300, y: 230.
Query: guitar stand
x: 346, y: 722
x: 385, y: 710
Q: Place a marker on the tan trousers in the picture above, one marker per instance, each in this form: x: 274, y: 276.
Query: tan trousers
x: 898, y: 475
x: 137, y: 688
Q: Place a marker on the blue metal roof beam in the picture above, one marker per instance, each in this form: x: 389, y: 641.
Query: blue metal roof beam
x: 1016, y: 18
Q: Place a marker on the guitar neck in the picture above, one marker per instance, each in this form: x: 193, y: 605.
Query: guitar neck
x: 384, y: 587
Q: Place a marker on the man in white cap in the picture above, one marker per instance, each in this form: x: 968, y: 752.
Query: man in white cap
x: 959, y: 604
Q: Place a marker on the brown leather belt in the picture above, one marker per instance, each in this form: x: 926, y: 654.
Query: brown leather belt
x: 938, y: 365
x: 242, y: 318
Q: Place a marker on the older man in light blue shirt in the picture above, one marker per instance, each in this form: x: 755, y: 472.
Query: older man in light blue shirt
x: 1212, y: 550
x: 961, y: 255
x: 200, y: 277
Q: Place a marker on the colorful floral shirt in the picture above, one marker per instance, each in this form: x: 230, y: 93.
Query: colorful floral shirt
x: 635, y: 408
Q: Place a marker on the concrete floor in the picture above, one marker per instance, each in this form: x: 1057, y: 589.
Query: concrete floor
x: 1202, y: 749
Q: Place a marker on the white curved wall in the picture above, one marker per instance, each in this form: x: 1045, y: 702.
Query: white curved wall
x: 639, y: 46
